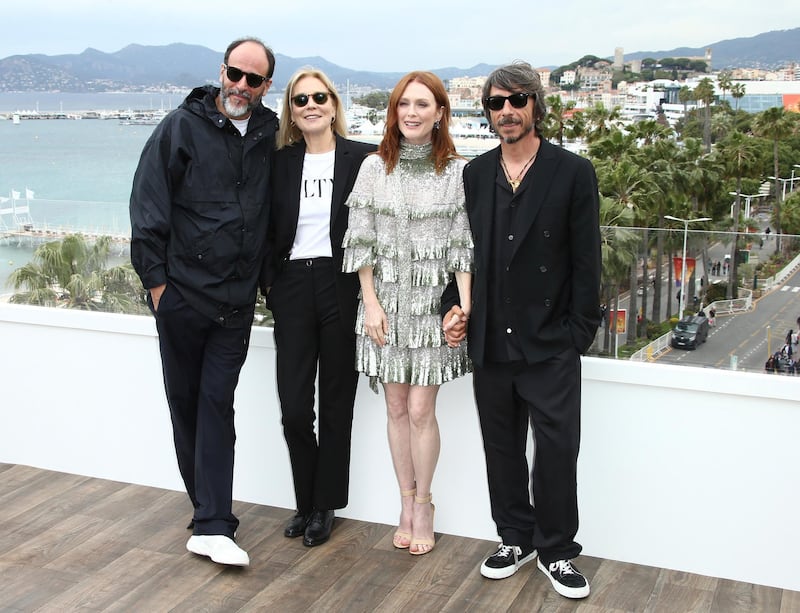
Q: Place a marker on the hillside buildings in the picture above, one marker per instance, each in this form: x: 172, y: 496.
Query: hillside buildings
x: 587, y: 86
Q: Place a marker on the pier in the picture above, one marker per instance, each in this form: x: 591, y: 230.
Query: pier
x: 35, y: 236
x: 32, y: 221
x: 126, y: 117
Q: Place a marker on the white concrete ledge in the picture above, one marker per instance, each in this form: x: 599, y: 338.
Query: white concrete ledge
x: 681, y: 467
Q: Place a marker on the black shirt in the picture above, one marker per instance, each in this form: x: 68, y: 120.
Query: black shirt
x: 501, y: 339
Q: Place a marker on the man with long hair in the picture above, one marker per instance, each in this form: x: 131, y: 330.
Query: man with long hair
x: 534, y: 213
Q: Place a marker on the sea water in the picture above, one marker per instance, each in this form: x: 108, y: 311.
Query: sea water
x: 71, y: 174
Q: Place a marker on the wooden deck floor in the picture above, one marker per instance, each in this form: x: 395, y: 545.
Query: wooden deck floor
x: 73, y: 543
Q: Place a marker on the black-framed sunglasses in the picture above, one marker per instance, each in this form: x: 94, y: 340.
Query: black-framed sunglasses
x: 518, y: 101
x: 300, y: 100
x: 235, y: 74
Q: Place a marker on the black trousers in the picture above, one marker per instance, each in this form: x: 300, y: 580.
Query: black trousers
x: 201, y: 361
x: 310, y: 332
x: 546, y: 395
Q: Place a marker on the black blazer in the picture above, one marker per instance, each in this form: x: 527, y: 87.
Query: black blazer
x: 554, y: 283
x: 287, y: 172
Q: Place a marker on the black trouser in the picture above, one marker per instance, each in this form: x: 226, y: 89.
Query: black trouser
x: 547, y: 394
x: 201, y: 361
x: 310, y: 331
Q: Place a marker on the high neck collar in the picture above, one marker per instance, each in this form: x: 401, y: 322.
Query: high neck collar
x: 409, y: 151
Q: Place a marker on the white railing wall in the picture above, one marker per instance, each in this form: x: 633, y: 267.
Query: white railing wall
x: 770, y: 282
x: 682, y: 468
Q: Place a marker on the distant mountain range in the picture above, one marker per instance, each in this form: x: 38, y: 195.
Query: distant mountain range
x: 137, y: 67
x: 769, y: 50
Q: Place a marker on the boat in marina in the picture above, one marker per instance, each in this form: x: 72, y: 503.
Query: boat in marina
x: 143, y: 118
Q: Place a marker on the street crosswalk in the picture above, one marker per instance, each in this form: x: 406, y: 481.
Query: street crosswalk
x: 790, y: 288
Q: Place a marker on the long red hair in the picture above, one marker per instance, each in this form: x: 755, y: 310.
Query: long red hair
x: 443, y: 148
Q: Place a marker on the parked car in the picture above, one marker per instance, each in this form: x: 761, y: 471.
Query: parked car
x: 690, y: 331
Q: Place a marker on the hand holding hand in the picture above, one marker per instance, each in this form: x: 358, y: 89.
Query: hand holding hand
x: 454, y: 326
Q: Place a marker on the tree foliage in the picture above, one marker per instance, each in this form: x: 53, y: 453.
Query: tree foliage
x: 776, y: 124
x: 73, y: 273
x: 377, y: 100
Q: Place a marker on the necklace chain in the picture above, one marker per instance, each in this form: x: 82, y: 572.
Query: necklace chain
x: 514, y: 183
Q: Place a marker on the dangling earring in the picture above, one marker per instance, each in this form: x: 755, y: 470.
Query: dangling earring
x: 436, y: 125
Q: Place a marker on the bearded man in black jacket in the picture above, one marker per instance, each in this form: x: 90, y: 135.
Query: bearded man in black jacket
x: 199, y: 211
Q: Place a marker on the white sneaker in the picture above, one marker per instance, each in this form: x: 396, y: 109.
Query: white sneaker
x: 221, y: 549
x: 566, y: 579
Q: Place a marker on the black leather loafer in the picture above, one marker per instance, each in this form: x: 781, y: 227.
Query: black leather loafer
x: 319, y: 528
x: 297, y: 525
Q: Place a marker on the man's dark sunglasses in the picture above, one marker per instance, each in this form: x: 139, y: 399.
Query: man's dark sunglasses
x: 235, y: 74
x: 495, y: 103
x: 300, y: 100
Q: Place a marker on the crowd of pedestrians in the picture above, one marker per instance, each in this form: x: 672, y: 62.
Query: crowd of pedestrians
x: 783, y: 361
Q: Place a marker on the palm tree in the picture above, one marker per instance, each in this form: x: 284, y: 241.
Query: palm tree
x: 685, y: 96
x: 702, y: 176
x: 621, y: 183
x: 73, y: 273
x: 601, y: 121
x: 618, y: 252
x: 737, y: 91
x: 776, y: 124
x: 739, y: 153
x: 791, y: 215
x: 575, y: 126
x: 613, y: 146
x: 556, y: 119
x: 662, y: 163
x: 704, y: 92
x: 648, y: 131
x: 725, y: 82
x: 721, y: 124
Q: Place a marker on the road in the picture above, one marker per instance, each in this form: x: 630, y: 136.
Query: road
x: 717, y: 252
x: 745, y: 340
x: 742, y: 341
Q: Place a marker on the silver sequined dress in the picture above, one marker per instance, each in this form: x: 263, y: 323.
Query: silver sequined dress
x: 412, y: 228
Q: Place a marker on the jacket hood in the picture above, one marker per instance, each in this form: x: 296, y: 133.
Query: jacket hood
x: 202, y: 101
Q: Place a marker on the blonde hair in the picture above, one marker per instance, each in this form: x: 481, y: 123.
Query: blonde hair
x: 289, y: 133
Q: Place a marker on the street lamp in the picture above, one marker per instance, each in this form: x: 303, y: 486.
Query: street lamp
x: 685, y: 222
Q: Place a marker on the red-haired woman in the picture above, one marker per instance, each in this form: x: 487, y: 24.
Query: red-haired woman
x: 408, y: 233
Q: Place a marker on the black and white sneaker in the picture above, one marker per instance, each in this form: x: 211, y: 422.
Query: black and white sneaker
x: 566, y: 579
x: 506, y: 561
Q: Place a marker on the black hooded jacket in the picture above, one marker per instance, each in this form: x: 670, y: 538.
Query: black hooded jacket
x: 200, y: 206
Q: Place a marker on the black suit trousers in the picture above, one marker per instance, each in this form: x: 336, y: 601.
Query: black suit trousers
x: 547, y: 395
x: 309, y: 331
x: 201, y: 361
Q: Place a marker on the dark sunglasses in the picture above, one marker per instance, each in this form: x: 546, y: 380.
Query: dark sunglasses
x: 300, y: 100
x: 235, y: 74
x: 518, y: 101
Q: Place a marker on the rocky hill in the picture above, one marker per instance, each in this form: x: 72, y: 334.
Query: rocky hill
x: 768, y: 50
x: 137, y: 67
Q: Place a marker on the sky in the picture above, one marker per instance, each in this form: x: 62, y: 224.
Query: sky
x: 376, y: 35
